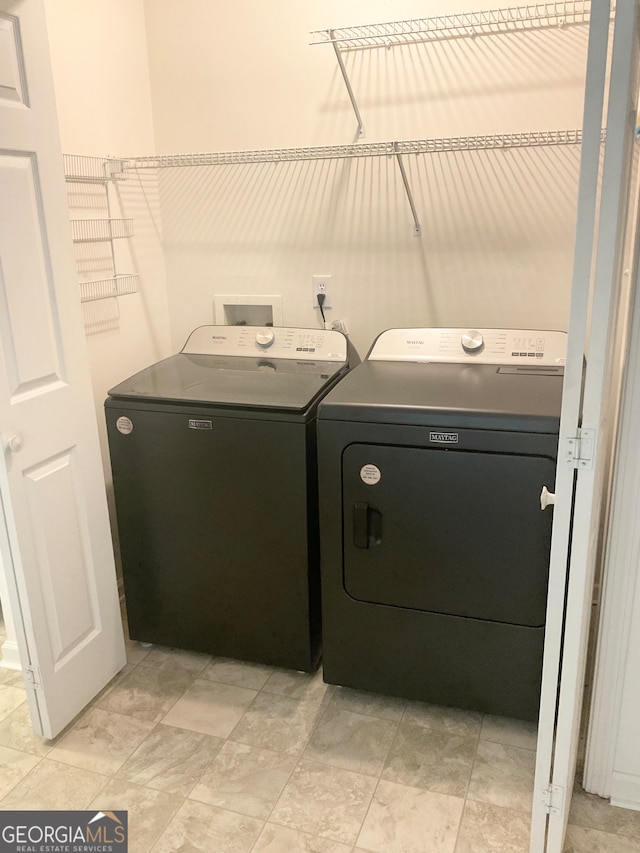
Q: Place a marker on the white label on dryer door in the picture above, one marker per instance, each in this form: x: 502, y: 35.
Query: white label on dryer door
x: 124, y: 425
x: 370, y: 474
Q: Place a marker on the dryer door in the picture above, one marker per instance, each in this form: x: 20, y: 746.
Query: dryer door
x: 448, y: 531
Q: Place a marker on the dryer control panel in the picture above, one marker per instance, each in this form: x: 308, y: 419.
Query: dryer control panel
x: 520, y: 347
x: 278, y: 341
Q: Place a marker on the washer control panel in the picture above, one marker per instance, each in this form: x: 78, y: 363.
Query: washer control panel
x: 279, y: 341
x: 527, y: 347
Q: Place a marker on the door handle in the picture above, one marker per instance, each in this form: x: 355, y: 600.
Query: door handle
x: 367, y: 525
x: 546, y: 498
x: 14, y: 443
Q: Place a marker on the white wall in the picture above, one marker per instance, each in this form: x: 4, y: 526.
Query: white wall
x: 612, y: 767
x: 625, y: 780
x: 101, y: 78
x: 498, y: 226
x: 100, y: 70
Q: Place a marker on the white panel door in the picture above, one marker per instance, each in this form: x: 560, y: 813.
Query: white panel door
x: 602, y: 220
x: 607, y: 332
x: 55, y: 544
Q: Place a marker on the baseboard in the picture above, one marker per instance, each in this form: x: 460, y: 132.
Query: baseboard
x: 625, y: 790
x: 10, y: 655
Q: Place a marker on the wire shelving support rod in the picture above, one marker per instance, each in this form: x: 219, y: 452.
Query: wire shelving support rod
x: 417, y: 230
x: 347, y: 83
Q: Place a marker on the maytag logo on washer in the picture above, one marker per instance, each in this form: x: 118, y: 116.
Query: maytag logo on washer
x: 194, y: 423
x: 124, y: 425
x: 443, y: 437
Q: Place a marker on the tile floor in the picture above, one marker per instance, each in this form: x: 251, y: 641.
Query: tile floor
x: 214, y: 755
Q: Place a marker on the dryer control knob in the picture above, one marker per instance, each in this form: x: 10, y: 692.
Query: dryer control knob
x: 472, y: 341
x: 265, y: 338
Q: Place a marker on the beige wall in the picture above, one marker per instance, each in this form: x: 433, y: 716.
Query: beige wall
x: 101, y: 79
x: 101, y: 76
x: 498, y: 226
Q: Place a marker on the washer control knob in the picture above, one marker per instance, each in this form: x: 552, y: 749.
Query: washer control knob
x: 265, y: 338
x: 472, y: 341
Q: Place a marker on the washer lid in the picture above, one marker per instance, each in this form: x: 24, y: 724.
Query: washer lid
x: 247, y: 366
x: 232, y: 381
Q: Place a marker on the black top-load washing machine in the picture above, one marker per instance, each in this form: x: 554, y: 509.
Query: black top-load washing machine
x: 213, y: 453
x: 433, y: 455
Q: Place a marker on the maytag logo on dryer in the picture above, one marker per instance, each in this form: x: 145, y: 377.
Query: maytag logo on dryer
x: 443, y: 437
x: 195, y: 423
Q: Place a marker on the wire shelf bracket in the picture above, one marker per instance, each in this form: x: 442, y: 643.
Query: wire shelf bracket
x: 417, y: 230
x: 79, y: 168
x: 562, y: 13
x: 347, y: 83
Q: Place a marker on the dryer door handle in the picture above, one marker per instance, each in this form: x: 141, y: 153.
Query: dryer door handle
x: 547, y: 498
x: 367, y: 525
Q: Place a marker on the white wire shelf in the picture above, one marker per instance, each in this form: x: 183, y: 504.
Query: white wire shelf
x: 96, y: 230
x: 370, y: 149
x: 561, y: 13
x: 364, y: 149
x: 107, y: 288
x: 493, y: 21
x: 78, y: 168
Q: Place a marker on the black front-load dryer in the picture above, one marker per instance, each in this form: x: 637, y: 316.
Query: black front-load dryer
x: 433, y: 456
x: 213, y: 453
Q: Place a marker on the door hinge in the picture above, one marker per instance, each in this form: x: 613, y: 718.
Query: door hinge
x: 33, y: 675
x: 553, y: 799
x: 579, y: 450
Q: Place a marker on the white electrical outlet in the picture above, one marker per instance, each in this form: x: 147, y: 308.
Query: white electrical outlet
x: 321, y: 284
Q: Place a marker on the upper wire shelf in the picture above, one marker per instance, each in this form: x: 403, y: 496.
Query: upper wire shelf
x: 463, y: 24
x: 361, y: 149
x: 561, y: 13
x: 91, y: 170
